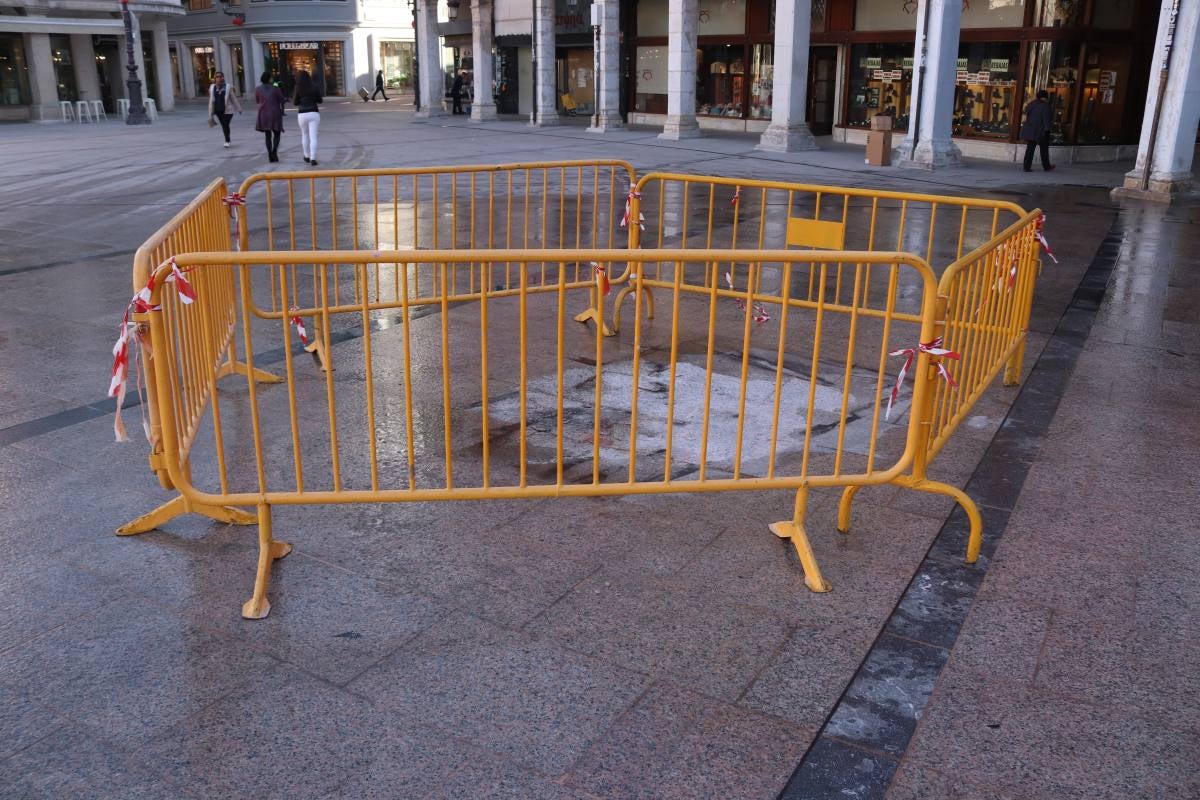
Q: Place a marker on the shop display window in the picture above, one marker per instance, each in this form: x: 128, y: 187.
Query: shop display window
x: 994, y: 14
x: 885, y: 15
x: 204, y: 67
x: 332, y: 53
x: 721, y: 18
x: 14, y: 82
x: 985, y: 92
x: 64, y: 72
x: 762, y: 71
x: 880, y: 83
x: 651, y: 65
x: 721, y: 80
x: 1059, y: 13
x: 652, y: 16
x: 1114, y: 14
x: 1105, y: 85
x: 1054, y: 66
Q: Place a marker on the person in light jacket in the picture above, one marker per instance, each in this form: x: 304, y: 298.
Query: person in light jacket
x: 307, y: 100
x: 270, y: 114
x: 222, y: 103
x: 1039, y: 118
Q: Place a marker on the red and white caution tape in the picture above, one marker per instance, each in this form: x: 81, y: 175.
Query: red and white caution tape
x: 233, y: 201
x: 737, y: 196
x: 933, y: 348
x: 758, y: 312
x: 602, y: 282
x: 629, y: 198
x: 1039, y: 233
x: 301, y: 331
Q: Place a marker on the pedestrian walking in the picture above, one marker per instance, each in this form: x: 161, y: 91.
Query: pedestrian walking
x: 456, y: 92
x: 1039, y: 118
x: 307, y: 99
x: 379, y: 87
x: 221, y: 104
x: 270, y: 114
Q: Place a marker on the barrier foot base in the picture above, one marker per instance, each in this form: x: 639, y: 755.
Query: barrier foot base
x: 241, y: 368
x: 647, y: 296
x: 592, y: 315
x: 177, y: 507
x: 317, y: 349
x: 812, y: 573
x: 844, y: 510
x: 269, y: 551
x: 975, y: 537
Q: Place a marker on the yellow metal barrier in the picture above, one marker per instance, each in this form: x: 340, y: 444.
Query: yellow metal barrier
x: 772, y: 369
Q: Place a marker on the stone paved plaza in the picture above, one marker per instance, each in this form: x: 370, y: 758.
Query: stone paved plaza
x: 653, y: 647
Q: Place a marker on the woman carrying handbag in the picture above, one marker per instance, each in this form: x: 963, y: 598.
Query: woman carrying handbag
x: 270, y: 114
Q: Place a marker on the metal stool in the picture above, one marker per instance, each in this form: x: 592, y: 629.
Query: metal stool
x: 68, y: 112
x: 151, y: 109
x: 83, y: 109
x: 98, y: 111
x: 123, y: 107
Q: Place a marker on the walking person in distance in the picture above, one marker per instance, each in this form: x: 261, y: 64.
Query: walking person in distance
x: 221, y: 104
x: 456, y: 92
x: 307, y: 99
x: 1039, y: 118
x: 379, y: 87
x: 270, y: 114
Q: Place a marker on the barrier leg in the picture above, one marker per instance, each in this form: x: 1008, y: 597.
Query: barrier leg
x: 1012, y: 372
x: 647, y: 296
x: 257, y: 607
x: 178, y: 506
x: 232, y: 367
x: 975, y: 538
x: 592, y: 314
x: 844, y: 508
x: 794, y: 529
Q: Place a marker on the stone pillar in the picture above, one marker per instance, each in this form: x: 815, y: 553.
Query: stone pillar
x: 788, y: 131
x: 1164, y: 168
x: 545, y: 101
x: 608, y: 78
x: 928, y: 144
x: 683, y: 17
x: 187, y: 72
x: 165, y: 98
x: 43, y: 85
x: 483, y: 107
x: 83, y: 57
x: 429, y: 60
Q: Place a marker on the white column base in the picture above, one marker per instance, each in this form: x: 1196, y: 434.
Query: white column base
x: 1163, y: 187
x: 431, y: 109
x: 929, y: 155
x: 545, y: 120
x: 787, y: 139
x: 482, y: 113
x: 680, y: 126
x: 606, y: 121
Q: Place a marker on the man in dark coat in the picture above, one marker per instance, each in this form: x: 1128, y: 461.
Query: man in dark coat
x: 1039, y: 118
x: 456, y: 92
x: 379, y: 86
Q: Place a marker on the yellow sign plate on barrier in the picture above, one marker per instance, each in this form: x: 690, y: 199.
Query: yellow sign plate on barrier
x: 815, y: 233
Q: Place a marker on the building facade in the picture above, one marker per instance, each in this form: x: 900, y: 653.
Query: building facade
x: 340, y: 43
x: 59, y: 51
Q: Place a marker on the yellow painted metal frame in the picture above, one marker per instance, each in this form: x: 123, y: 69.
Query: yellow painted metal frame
x: 981, y: 307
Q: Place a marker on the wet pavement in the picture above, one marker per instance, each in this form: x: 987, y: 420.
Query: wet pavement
x: 643, y: 647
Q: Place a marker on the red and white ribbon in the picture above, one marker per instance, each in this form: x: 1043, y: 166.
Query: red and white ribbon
x: 737, y: 196
x: 233, y: 201
x: 1039, y: 233
x: 602, y: 282
x: 301, y: 331
x: 629, y: 198
x: 130, y: 337
x: 758, y: 312
x: 933, y: 348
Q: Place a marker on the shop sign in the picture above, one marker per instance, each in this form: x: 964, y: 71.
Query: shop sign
x: 887, y: 75
x: 907, y: 64
x: 973, y: 77
x: 1108, y: 79
x: 872, y: 62
x: 299, y: 46
x: 998, y: 64
x: 962, y: 63
x: 1106, y: 97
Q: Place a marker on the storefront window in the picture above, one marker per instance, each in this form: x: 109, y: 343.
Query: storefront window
x: 880, y: 83
x: 1114, y: 14
x: 985, y: 93
x: 1059, y: 13
x: 651, y: 65
x: 761, y: 78
x: 321, y: 60
x: 1053, y: 66
x: 396, y: 59
x: 722, y: 18
x: 885, y: 15
x: 64, y: 72
x: 332, y: 52
x: 994, y: 14
x: 1106, y: 73
x: 204, y: 66
x: 652, y: 17
x: 151, y: 76
x: 722, y: 80
x: 14, y: 83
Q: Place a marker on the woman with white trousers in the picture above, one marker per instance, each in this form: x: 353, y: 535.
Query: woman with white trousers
x: 307, y: 100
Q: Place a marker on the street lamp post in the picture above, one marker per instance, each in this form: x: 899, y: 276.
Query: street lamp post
x: 137, y: 110
x: 416, y: 64
x: 596, y: 18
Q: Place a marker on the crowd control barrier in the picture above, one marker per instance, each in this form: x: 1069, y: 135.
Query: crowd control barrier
x: 765, y: 367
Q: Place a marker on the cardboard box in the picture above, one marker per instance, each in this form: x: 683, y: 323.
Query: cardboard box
x: 879, y: 148
x: 880, y: 122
